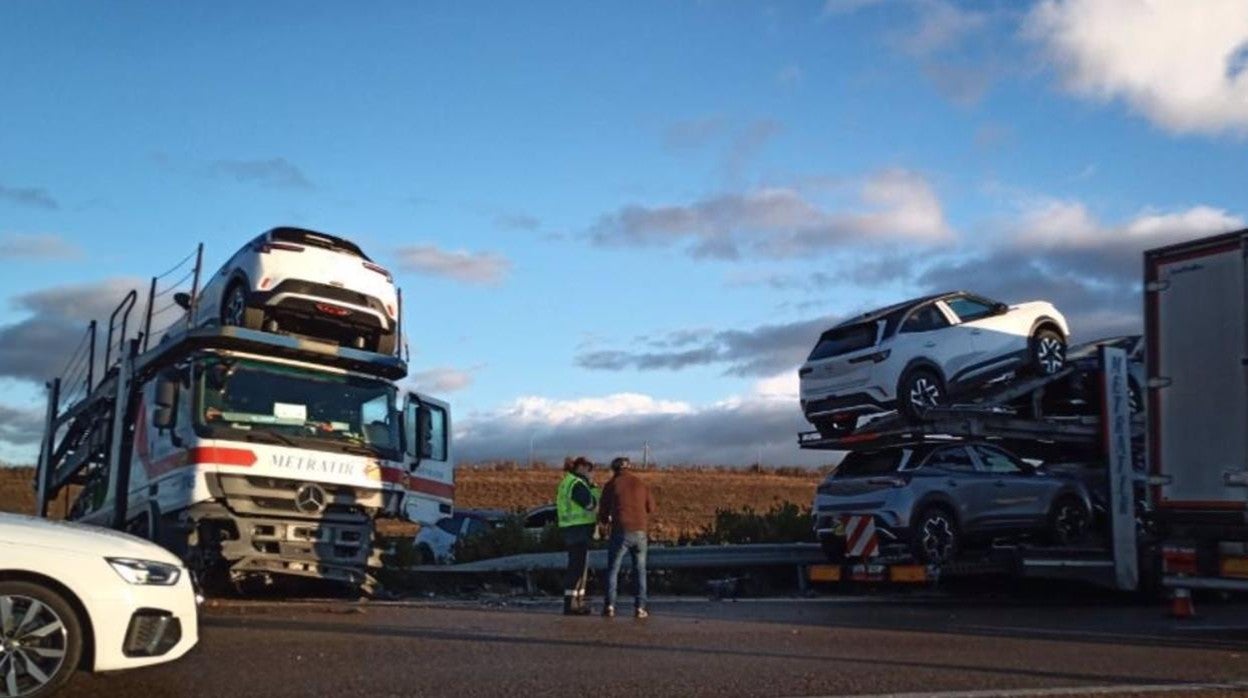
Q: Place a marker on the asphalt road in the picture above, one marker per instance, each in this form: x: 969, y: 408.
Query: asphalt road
x: 793, y: 647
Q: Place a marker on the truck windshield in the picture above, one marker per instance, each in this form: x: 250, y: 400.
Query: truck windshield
x: 286, y: 404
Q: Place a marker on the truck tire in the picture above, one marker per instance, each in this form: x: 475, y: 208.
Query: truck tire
x: 235, y: 311
x: 935, y: 537
x: 52, y: 640
x: 918, y: 389
x: 1048, y: 352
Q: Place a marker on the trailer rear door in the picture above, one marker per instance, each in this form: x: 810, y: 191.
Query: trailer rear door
x: 1195, y: 318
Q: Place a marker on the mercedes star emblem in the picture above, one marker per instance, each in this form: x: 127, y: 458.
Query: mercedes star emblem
x: 310, y: 499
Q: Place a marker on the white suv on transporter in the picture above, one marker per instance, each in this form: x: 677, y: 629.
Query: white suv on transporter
x: 305, y: 283
x: 918, y: 353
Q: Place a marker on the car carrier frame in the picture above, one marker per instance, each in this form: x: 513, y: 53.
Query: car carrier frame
x: 1011, y: 414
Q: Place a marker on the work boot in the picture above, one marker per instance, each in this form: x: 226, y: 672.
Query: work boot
x: 569, y: 605
x: 579, y: 607
x: 608, y: 611
x: 641, y: 612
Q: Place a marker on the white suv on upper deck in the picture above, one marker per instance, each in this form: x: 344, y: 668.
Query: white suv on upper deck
x: 918, y: 353
x: 305, y: 283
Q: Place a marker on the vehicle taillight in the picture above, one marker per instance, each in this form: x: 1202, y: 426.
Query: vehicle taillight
x: 332, y: 310
x: 390, y: 310
x: 380, y: 270
x: 267, y: 247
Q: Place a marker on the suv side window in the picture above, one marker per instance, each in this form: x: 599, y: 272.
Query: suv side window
x: 925, y: 319
x: 997, y: 462
x: 954, y: 458
x: 969, y: 309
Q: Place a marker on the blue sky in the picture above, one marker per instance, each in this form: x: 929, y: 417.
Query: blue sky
x: 619, y: 222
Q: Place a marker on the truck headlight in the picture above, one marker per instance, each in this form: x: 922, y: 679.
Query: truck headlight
x: 145, y: 571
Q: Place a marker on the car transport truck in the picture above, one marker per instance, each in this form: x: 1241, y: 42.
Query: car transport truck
x: 1168, y: 473
x: 253, y: 456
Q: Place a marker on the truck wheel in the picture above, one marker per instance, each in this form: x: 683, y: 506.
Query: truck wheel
x: 935, y: 538
x: 236, y: 313
x: 1068, y: 522
x: 1048, y: 352
x: 917, y: 390
x: 41, y: 639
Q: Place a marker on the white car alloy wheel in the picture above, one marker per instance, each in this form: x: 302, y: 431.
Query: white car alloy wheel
x: 34, y: 642
x: 1050, y: 353
x: 924, y: 392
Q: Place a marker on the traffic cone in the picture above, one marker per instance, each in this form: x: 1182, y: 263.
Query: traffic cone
x: 1181, y: 604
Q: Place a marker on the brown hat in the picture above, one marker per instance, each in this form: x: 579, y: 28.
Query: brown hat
x: 570, y: 464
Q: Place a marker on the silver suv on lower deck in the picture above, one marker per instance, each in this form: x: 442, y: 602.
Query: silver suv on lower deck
x: 938, y: 498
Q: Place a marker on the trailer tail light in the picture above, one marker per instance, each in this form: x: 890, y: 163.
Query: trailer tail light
x: 332, y: 310
x: 390, y: 310
x: 1179, y: 561
x: 267, y: 247
x: 264, y: 283
x: 379, y: 269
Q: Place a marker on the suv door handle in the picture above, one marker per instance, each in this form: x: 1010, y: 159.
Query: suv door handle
x: 976, y: 331
x: 999, y: 483
x: 929, y: 345
x: 952, y: 483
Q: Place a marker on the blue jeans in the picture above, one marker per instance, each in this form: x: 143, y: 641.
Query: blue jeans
x: 633, y: 542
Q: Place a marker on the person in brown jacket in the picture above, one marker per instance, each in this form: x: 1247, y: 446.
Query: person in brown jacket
x: 626, y: 505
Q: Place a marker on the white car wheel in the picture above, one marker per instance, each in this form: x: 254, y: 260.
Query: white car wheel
x: 1048, y: 352
x: 919, y: 389
x: 40, y: 640
x: 236, y: 313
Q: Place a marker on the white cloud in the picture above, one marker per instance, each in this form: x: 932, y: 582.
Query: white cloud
x: 44, y: 246
x: 469, y: 267
x: 941, y: 26
x: 1180, y: 64
x: 1070, y: 225
x: 782, y: 222
x: 552, y: 412
x: 736, y: 430
x: 437, y: 381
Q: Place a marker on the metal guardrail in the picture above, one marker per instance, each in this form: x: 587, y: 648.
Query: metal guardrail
x: 657, y: 558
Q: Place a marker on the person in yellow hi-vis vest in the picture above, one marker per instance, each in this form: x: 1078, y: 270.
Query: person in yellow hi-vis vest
x: 577, y: 505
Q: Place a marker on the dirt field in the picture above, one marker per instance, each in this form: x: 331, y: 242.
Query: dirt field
x: 687, y: 498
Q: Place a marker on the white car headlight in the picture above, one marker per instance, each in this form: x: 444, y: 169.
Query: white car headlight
x: 145, y: 571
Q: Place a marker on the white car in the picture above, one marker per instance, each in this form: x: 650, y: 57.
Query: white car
x: 305, y: 283
x: 436, y: 544
x: 922, y: 352
x: 74, y: 596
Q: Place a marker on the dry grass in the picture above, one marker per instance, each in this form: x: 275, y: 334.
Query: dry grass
x: 687, y: 497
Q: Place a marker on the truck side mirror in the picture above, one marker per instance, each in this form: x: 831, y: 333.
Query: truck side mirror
x: 165, y: 414
x: 182, y: 300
